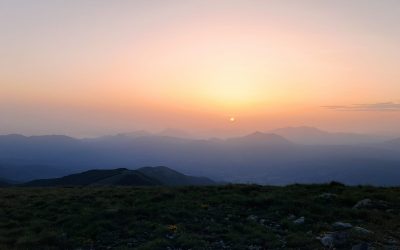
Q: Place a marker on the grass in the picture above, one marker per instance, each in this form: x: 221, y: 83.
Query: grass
x: 219, y: 217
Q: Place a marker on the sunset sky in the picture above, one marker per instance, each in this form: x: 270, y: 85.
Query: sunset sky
x: 94, y: 67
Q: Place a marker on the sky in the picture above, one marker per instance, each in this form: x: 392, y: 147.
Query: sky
x: 212, y: 67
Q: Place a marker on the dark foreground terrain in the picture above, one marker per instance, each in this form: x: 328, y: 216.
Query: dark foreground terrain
x: 219, y: 217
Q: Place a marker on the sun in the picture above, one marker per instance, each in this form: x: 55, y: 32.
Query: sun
x: 232, y: 119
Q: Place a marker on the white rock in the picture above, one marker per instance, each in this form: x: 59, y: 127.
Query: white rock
x: 252, y: 218
x: 327, y: 240
x: 341, y: 225
x: 362, y: 204
x: 299, y: 221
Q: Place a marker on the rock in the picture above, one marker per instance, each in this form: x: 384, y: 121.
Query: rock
x: 390, y: 241
x: 362, y: 246
x: 170, y: 236
x: 327, y: 240
x: 299, y: 221
x: 334, y: 239
x: 221, y: 245
x: 368, y: 203
x: 252, y: 247
x: 362, y: 204
x: 341, y: 225
x: 362, y: 230
x: 252, y: 218
x: 340, y: 238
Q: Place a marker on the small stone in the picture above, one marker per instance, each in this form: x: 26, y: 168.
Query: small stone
x: 252, y: 218
x: 341, y: 225
x: 252, y: 247
x: 170, y: 236
x: 362, y: 230
x: 299, y: 221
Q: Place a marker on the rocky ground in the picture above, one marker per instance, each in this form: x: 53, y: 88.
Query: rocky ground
x: 251, y: 217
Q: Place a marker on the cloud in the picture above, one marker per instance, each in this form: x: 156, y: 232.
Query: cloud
x: 379, y: 107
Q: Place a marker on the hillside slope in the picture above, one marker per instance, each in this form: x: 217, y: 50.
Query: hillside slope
x: 148, y: 176
x: 170, y: 177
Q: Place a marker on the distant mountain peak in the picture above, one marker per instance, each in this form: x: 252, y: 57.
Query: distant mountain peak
x: 300, y: 129
x: 14, y: 135
x: 312, y: 135
x: 256, y: 134
x: 394, y: 142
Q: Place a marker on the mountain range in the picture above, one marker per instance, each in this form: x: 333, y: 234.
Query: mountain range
x: 260, y: 157
x: 312, y: 136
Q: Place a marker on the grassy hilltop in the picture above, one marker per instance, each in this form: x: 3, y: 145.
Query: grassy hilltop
x: 219, y: 217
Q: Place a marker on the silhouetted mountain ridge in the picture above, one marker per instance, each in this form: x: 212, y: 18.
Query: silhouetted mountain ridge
x: 311, y: 135
x: 395, y: 142
x: 148, y: 176
x: 263, y: 158
x: 170, y: 177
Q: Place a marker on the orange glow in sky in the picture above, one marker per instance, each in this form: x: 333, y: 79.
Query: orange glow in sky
x: 88, y: 68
